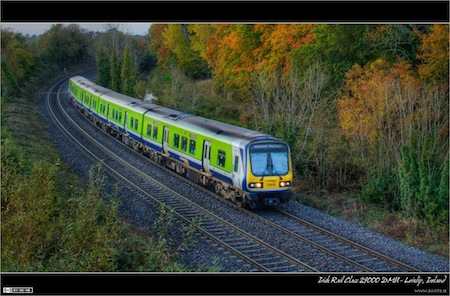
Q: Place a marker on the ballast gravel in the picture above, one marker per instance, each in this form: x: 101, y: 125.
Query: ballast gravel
x: 205, y: 255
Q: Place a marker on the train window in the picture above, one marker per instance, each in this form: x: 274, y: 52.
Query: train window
x: 132, y: 122
x: 149, y: 130
x: 192, y: 146
x: 114, y: 114
x: 221, y: 158
x: 136, y: 124
x: 236, y: 163
x: 176, y: 140
x: 120, y: 116
x: 269, y: 159
x: 183, y: 143
x: 155, y: 132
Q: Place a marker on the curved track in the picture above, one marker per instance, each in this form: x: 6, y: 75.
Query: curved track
x: 264, y: 255
x: 260, y: 254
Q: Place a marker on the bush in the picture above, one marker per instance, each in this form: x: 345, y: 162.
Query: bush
x: 46, y: 229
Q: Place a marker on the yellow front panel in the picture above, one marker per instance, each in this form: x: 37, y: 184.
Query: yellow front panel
x: 269, y: 182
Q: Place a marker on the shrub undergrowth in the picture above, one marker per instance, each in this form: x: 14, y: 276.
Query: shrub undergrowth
x: 51, y: 221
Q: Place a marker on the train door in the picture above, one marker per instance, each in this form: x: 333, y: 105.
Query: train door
x: 165, y: 144
x: 206, y: 159
x: 107, y: 114
x: 89, y: 102
x: 237, y: 174
x: 125, y: 125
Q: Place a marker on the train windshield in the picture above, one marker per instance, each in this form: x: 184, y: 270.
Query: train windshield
x: 269, y: 159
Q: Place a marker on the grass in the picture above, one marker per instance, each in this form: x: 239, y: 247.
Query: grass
x: 54, y: 221
x: 412, y: 232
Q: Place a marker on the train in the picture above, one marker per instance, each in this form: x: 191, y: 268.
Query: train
x: 247, y: 167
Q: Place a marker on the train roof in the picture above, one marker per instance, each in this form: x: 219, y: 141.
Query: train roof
x: 201, y: 124
x: 224, y: 129
x: 89, y: 85
x: 209, y: 125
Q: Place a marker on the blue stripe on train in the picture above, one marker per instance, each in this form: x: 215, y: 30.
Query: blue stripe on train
x: 157, y: 148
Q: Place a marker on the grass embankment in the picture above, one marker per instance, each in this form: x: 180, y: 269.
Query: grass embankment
x: 52, y: 221
x: 350, y: 206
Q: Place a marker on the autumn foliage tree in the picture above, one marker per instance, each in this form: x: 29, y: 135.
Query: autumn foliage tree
x: 398, y: 125
x: 434, y: 54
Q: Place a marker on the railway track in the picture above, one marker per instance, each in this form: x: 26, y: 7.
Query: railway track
x: 357, y: 255
x: 263, y: 256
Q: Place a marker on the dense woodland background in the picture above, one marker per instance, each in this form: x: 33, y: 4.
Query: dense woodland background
x: 365, y: 108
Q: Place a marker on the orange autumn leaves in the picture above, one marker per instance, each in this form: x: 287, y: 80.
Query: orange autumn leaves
x: 372, y: 95
x: 390, y: 98
x: 233, y: 52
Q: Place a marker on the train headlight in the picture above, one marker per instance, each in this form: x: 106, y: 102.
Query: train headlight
x: 256, y: 185
x: 285, y: 183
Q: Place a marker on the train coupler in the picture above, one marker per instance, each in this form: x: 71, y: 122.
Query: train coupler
x: 271, y: 201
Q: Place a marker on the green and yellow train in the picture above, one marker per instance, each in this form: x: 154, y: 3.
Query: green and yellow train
x: 244, y: 166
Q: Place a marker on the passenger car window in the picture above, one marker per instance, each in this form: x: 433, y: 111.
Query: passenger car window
x: 192, y: 146
x: 176, y: 140
x: 184, y: 143
x: 155, y: 132
x: 221, y: 158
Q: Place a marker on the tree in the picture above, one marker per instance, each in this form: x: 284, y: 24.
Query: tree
x: 127, y: 74
x: 400, y: 125
x: 286, y: 106
x: 395, y: 42
x: 434, y: 53
x: 103, y: 68
x: 17, y: 60
x: 177, y: 40
x: 157, y: 46
x: 278, y: 42
x: 230, y: 55
x: 64, y: 45
x: 200, y: 37
x: 116, y: 84
x: 338, y: 48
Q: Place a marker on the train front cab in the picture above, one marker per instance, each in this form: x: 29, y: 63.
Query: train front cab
x: 269, y: 173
